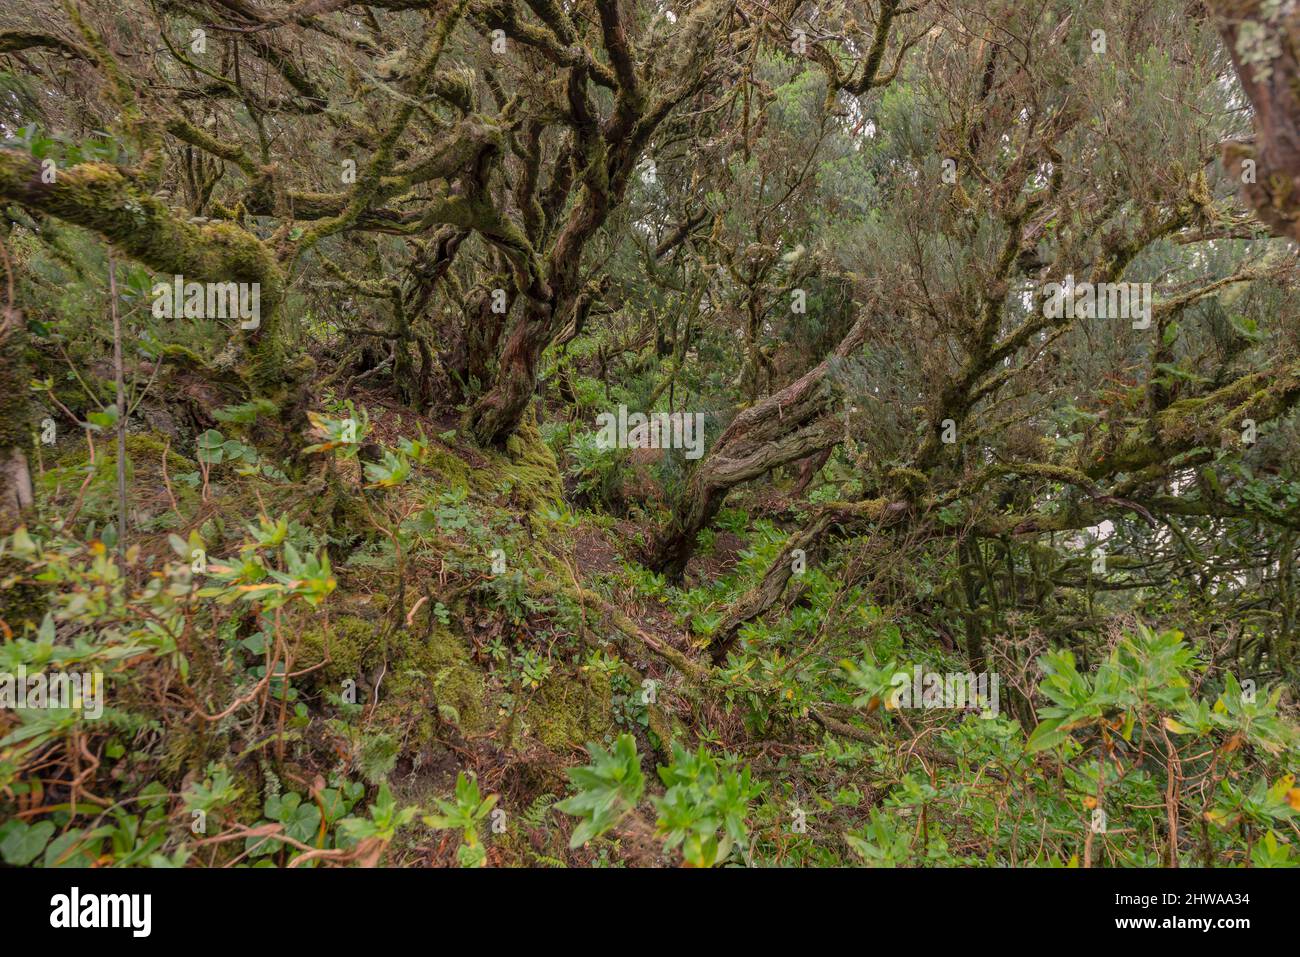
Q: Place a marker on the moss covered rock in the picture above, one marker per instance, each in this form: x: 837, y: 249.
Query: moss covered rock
x: 421, y: 679
x: 566, y: 713
x: 450, y: 468
x: 144, y: 474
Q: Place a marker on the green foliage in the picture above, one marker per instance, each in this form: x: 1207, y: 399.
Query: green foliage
x: 702, y: 813
x: 704, y: 809
x: 385, y: 819
x: 306, y: 599
x: 466, y: 814
x: 390, y: 471
x: 342, y: 435
x: 607, y: 789
x: 598, y: 473
x: 245, y: 413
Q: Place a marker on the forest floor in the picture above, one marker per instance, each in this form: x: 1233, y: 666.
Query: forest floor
x: 507, y: 672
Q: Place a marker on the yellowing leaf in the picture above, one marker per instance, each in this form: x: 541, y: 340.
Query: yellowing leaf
x: 22, y: 542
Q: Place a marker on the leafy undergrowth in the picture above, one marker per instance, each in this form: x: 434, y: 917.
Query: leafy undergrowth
x: 416, y: 653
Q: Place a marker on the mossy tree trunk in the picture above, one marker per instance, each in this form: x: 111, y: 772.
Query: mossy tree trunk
x: 604, y: 152
x: 783, y: 428
x: 105, y: 199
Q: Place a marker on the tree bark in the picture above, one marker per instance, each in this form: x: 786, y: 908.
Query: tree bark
x: 782, y: 428
x: 498, y: 413
x: 1265, y: 50
x: 808, y: 470
x: 841, y: 520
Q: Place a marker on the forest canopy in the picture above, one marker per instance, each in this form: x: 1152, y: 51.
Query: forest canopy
x: 643, y: 432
